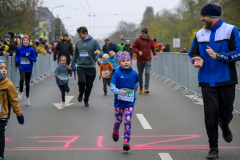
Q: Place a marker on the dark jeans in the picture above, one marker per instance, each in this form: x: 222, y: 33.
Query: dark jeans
x: 27, y: 77
x: 218, y: 108
x: 3, y: 126
x: 63, y: 89
x: 106, y: 82
x: 141, y: 66
x: 86, y: 77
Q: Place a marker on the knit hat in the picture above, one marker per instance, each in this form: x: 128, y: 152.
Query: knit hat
x: 26, y: 36
x: 211, y: 10
x: 11, y: 34
x: 123, y: 55
x: 145, y: 30
x: 7, y: 36
x: 127, y: 41
x: 105, y: 56
x: 65, y: 35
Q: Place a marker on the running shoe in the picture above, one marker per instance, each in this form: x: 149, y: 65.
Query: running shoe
x: 20, y: 94
x: 146, y: 90
x: 227, y: 134
x: 75, y: 77
x: 212, y: 154
x: 126, y: 146
x: 86, y: 104
x: 63, y: 104
x: 105, y: 93
x: 115, y: 136
x: 27, y: 102
x: 79, y: 98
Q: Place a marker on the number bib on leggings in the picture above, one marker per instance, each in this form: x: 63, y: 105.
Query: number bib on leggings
x: 129, y: 97
x: 64, y: 76
x: 105, y: 73
x: 83, y: 53
x: 25, y: 61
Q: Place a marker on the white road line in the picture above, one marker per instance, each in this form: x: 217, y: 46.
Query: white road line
x: 143, y: 121
x: 165, y: 156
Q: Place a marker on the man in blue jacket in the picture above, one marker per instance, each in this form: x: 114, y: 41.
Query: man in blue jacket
x: 109, y: 47
x: 214, y: 50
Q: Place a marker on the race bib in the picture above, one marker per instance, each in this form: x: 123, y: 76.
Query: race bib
x: 83, y: 53
x: 105, y: 73
x: 25, y: 61
x: 64, y: 76
x: 129, y: 97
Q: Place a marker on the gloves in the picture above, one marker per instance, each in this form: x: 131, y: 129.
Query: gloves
x: 54, y: 58
x: 100, y: 78
x: 20, y: 119
x: 17, y: 64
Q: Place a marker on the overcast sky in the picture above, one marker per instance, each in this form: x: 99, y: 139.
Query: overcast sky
x: 105, y: 19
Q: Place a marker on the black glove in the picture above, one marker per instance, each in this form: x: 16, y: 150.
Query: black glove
x: 16, y: 64
x: 20, y: 119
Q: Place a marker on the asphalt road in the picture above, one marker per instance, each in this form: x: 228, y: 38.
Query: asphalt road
x: 173, y: 125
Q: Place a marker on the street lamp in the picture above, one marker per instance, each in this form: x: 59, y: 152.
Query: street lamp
x: 61, y: 25
x: 70, y: 26
x: 52, y: 18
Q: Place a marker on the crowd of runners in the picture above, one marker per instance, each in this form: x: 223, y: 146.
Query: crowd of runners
x: 214, y: 50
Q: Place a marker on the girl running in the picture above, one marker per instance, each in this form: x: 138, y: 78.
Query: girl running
x: 25, y: 56
x: 124, y: 84
x: 61, y: 74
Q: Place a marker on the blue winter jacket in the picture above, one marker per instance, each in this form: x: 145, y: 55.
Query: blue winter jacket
x: 124, y: 79
x: 25, y: 62
x: 224, y: 39
x: 111, y: 47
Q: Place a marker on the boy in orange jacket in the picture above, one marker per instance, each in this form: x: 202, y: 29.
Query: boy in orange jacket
x: 105, y: 69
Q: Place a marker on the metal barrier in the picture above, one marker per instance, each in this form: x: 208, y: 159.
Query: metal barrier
x: 41, y: 68
x: 174, y: 68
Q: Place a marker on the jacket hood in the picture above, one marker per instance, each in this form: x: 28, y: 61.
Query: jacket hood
x: 148, y: 37
x: 65, y: 41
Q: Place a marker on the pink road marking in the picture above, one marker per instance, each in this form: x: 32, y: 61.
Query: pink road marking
x: 99, y: 143
x: 178, y: 139
x: 167, y: 147
x: 6, y: 139
x: 66, y: 145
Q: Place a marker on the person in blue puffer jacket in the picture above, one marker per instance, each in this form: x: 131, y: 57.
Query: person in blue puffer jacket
x: 25, y: 56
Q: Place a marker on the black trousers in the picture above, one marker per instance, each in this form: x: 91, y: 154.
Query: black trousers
x: 86, y: 77
x: 63, y: 89
x: 27, y: 77
x: 218, y: 108
x: 3, y: 126
x: 106, y: 82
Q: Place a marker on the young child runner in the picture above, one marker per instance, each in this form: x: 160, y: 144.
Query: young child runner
x: 25, y: 56
x: 8, y: 98
x: 61, y: 75
x: 105, y: 69
x: 113, y: 60
x: 124, y: 84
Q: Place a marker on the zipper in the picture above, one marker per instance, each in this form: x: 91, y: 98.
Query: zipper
x: 3, y: 103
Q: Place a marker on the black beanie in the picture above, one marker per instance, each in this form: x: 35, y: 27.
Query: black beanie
x: 65, y: 35
x: 211, y: 10
x: 11, y: 34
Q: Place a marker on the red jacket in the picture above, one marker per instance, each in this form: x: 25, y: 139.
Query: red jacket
x: 146, y: 46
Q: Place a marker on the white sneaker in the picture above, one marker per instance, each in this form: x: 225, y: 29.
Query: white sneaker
x: 20, y: 94
x: 27, y: 102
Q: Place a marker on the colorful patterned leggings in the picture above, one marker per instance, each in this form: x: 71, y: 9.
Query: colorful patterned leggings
x: 127, y: 112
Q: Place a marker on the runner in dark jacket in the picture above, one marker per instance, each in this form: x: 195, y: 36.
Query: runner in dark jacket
x: 128, y: 48
x: 64, y: 47
x: 109, y: 47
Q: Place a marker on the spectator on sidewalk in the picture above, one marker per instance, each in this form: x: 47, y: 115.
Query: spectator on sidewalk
x: 8, y: 48
x: 143, y: 47
x: 166, y: 48
x: 184, y: 50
